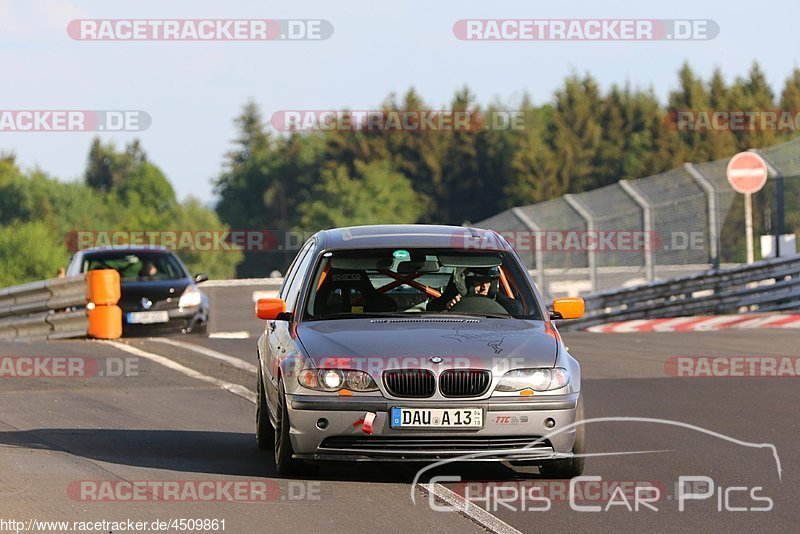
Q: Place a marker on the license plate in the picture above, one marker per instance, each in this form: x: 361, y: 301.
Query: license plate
x: 455, y: 418
x: 148, y: 317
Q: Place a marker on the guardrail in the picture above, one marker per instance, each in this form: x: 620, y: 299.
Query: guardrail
x: 49, y: 309
x: 63, y: 308
x: 56, y: 309
x: 767, y: 285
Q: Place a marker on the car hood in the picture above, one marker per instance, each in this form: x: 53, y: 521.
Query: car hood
x: 132, y: 292
x: 485, y: 343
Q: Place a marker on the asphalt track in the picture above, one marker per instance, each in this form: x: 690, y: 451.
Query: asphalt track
x: 164, y: 423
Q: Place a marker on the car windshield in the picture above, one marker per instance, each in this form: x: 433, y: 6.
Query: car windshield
x: 136, y: 265
x: 354, y: 283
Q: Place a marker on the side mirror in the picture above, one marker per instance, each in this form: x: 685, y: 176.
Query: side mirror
x: 270, y: 309
x: 568, y: 308
x: 202, y: 277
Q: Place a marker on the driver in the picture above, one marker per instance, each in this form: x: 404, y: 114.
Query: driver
x: 479, y: 281
x: 149, y: 269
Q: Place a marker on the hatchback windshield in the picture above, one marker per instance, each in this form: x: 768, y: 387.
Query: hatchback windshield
x: 136, y: 265
x: 355, y: 283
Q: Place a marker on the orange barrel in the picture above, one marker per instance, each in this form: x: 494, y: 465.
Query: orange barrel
x: 105, y: 322
x: 102, y: 287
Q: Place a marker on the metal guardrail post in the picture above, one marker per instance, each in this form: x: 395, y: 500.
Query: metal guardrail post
x: 647, y: 224
x: 775, y: 173
x: 540, y: 265
x: 591, y: 228
x: 713, y: 214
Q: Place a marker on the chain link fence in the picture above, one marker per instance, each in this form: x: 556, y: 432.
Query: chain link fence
x: 677, y: 222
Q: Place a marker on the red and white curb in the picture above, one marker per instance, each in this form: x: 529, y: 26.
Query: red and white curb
x: 703, y: 323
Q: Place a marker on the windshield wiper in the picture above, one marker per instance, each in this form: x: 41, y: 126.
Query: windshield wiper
x: 486, y: 315
x: 350, y: 315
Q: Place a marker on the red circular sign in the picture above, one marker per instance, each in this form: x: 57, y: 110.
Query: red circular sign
x: 747, y: 172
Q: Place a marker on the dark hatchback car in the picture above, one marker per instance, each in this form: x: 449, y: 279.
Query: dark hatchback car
x: 158, y: 293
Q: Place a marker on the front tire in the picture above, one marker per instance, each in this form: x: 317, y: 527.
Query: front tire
x: 284, y: 461
x: 265, y: 434
x: 569, y: 467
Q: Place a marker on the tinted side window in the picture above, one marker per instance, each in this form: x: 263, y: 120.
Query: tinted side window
x: 299, y: 278
x: 290, y: 274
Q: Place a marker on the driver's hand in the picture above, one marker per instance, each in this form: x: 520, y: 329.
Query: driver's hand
x: 453, y: 302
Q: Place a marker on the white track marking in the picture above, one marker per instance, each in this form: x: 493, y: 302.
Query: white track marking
x: 236, y: 389
x: 758, y: 322
x: 714, y: 323
x: 229, y: 335
x: 669, y: 326
x: 631, y: 326
x: 470, y: 509
x: 266, y: 294
x: 701, y: 323
x: 211, y: 353
x: 474, y: 512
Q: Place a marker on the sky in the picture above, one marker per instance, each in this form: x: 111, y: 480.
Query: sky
x: 192, y: 91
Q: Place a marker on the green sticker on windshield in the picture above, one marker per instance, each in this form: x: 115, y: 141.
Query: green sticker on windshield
x: 401, y: 255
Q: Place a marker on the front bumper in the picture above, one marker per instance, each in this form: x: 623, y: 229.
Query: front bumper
x: 513, y: 430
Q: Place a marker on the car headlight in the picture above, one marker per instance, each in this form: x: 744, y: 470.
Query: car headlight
x: 331, y: 379
x: 336, y: 379
x: 191, y: 297
x: 535, y: 379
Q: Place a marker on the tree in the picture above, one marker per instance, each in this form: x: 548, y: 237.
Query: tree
x: 108, y: 168
x: 790, y: 96
x: 719, y: 144
x: 14, y: 198
x: 753, y: 94
x: 29, y: 251
x: 464, y: 186
x: 147, y: 186
x: 193, y: 216
x: 418, y: 156
x: 377, y: 194
x: 691, y: 96
x: 575, y: 134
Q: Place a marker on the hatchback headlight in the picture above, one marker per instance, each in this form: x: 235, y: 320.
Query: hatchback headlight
x: 336, y: 379
x: 191, y: 297
x: 535, y: 379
